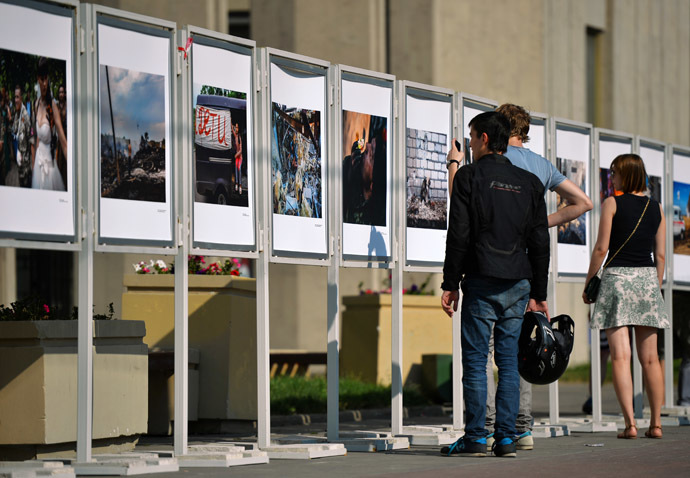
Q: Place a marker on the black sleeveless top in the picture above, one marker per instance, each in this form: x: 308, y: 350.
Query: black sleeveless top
x: 638, y: 251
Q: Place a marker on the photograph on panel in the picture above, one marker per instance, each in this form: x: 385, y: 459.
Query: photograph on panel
x: 681, y: 218
x: 132, y: 121
x: 296, y: 161
x: 427, y: 180
x: 654, y: 188
x: 220, y: 136
x: 364, y: 168
x: 575, y: 231
x: 33, y: 121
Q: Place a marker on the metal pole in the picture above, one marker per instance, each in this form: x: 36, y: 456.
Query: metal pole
x: 85, y: 281
x: 333, y: 304
x: 183, y: 185
x: 262, y: 291
x: 333, y: 369
x: 396, y: 347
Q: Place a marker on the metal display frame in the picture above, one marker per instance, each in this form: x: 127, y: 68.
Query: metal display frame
x: 542, y: 119
x: 599, y: 135
x: 266, y: 57
x: 57, y: 242
x: 671, y: 151
x: 359, y: 75
x: 156, y: 27
x: 667, y: 285
x: 555, y: 125
x: 308, y: 66
x: 91, y: 16
x: 427, y: 92
x: 209, y: 38
x: 337, y: 74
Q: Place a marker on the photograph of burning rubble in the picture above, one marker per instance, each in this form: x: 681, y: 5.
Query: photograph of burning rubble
x: 220, y: 146
x: 296, y: 161
x: 364, y: 169
x: 132, y: 106
x: 575, y: 231
x: 427, y: 182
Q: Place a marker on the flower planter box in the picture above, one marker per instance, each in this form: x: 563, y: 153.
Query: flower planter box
x: 366, y: 336
x: 38, y: 384
x: 222, y: 327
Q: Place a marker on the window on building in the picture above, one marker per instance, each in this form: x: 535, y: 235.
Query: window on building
x: 594, y: 76
x: 239, y: 25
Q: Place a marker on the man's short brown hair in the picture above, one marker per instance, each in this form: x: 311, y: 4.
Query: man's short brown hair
x: 631, y: 171
x: 519, y: 120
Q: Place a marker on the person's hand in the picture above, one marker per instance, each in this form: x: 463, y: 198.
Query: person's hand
x: 539, y: 306
x: 585, y: 299
x: 449, y: 301
x: 454, y: 152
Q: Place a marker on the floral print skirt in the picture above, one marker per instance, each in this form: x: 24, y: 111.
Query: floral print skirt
x: 629, y: 296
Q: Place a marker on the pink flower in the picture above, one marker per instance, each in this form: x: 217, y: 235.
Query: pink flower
x: 46, y: 308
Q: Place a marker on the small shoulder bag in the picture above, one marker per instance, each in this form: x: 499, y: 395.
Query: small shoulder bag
x: 592, y: 287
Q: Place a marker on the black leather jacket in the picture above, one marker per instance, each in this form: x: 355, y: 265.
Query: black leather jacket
x: 497, y: 225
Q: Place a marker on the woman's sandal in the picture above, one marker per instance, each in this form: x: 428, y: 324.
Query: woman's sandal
x: 651, y: 433
x: 630, y: 433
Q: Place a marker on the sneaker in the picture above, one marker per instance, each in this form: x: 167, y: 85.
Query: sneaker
x: 466, y: 447
x: 504, y: 448
x: 489, y: 442
x: 524, y: 441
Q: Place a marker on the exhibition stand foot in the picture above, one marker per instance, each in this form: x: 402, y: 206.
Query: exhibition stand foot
x: 431, y: 435
x: 35, y: 468
x: 126, y: 464
x: 220, y: 455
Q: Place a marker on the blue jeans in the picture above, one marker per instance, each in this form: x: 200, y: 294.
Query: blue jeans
x: 499, y: 304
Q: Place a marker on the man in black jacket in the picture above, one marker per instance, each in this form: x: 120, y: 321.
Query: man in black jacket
x: 498, y: 244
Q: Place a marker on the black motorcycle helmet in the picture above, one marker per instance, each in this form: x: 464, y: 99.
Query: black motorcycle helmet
x: 544, y: 348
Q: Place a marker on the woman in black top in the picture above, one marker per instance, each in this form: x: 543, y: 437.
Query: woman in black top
x: 630, y: 294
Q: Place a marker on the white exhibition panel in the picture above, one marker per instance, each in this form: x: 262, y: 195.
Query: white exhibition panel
x: 304, y: 91
x: 370, y: 240
x: 681, y: 199
x: 609, y: 149
x: 226, y: 224
x: 44, y: 212
x: 138, y: 59
x: 573, y: 160
x: 431, y: 116
x: 537, y: 139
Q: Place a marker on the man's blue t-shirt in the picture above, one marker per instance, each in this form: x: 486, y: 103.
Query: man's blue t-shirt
x: 525, y: 159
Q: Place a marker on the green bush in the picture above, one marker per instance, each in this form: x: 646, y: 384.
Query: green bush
x: 291, y: 395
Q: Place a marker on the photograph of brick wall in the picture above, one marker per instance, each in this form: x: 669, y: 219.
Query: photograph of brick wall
x: 427, y: 180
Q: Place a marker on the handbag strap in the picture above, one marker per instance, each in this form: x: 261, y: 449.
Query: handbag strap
x: 631, y: 234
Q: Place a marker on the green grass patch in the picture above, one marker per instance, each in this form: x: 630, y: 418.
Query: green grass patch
x: 290, y: 395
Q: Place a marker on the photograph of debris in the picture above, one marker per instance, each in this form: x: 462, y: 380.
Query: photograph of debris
x: 427, y: 179
x: 575, y: 231
x: 132, y: 106
x: 34, y: 132
x: 220, y: 141
x: 296, y: 161
x: 364, y: 147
